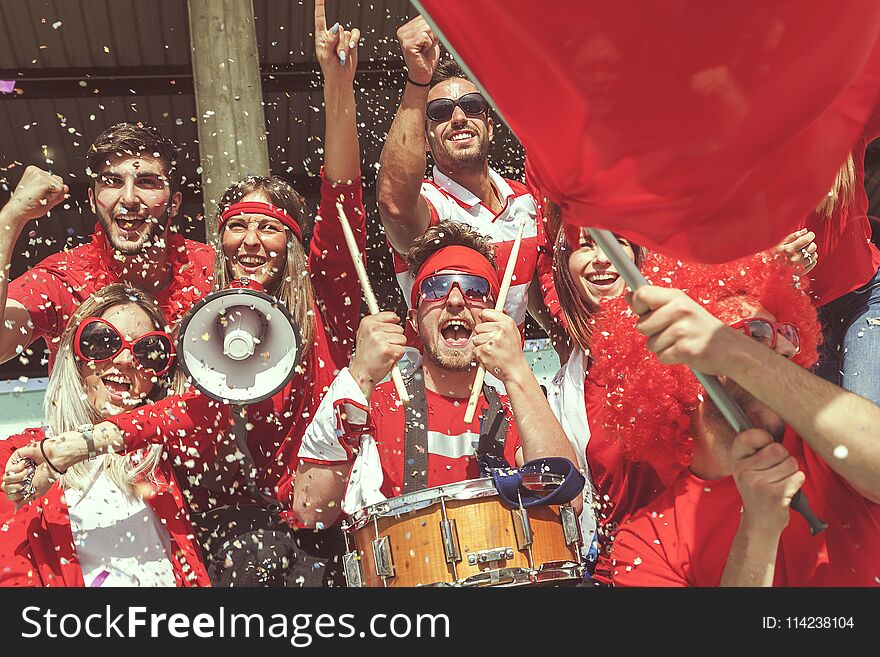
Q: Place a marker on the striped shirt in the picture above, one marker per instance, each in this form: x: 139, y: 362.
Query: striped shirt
x: 335, y: 434
x: 447, y: 200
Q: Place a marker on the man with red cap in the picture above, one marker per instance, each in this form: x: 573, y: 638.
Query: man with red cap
x: 452, y: 314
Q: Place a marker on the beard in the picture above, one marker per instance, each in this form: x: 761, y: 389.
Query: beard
x: 155, y: 228
x: 759, y: 414
x: 470, y: 160
x: 457, y: 360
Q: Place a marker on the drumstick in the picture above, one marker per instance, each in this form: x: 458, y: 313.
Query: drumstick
x: 372, y: 304
x: 499, y: 305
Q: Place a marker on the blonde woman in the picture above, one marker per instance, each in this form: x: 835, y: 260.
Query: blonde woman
x: 112, y: 520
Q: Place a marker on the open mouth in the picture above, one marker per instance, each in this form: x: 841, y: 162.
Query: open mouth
x: 456, y: 333
x: 462, y: 136
x: 252, y: 263
x: 119, y: 389
x: 130, y: 223
x: 605, y: 280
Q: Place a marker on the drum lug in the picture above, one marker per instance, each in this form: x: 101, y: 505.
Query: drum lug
x: 383, y: 558
x: 522, y: 528
x: 569, y: 525
x: 486, y: 556
x: 451, y: 548
x: 351, y: 563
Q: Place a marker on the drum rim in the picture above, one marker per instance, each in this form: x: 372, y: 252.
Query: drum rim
x: 469, y: 489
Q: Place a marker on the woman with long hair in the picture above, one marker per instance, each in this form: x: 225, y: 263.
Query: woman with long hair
x: 584, y: 277
x: 112, y: 520
x: 262, y: 226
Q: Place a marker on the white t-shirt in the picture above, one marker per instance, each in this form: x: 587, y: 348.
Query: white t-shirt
x: 118, y: 534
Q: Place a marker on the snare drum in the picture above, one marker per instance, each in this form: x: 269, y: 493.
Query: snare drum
x: 462, y: 534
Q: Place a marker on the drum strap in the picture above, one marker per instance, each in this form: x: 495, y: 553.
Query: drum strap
x: 490, y: 449
x: 415, y: 450
x: 493, y: 433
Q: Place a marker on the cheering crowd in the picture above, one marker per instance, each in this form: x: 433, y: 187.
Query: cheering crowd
x: 134, y: 478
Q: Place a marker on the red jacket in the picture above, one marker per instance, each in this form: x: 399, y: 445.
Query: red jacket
x: 36, y: 543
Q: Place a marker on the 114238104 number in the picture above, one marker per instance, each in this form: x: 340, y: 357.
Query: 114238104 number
x: 819, y: 622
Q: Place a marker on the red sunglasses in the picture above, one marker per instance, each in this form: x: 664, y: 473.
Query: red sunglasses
x: 98, y: 340
x: 768, y: 332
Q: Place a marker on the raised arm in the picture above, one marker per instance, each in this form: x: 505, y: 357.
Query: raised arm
x: 402, y: 209
x: 36, y: 194
x: 833, y: 421
x: 330, y: 264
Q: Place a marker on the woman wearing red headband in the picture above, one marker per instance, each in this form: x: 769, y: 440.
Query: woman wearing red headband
x: 261, y: 233
x: 81, y: 532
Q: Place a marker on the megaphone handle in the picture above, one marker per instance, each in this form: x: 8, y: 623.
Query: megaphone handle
x: 246, y: 462
x: 372, y: 304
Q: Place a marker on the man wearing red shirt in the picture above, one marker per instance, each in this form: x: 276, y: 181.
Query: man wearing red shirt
x: 362, y: 424
x: 135, y: 196
x: 726, y: 519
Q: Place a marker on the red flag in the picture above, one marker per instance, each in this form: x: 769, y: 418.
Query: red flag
x: 704, y: 130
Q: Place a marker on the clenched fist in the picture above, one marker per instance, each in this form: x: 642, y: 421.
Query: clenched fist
x: 37, y: 192
x: 421, y: 49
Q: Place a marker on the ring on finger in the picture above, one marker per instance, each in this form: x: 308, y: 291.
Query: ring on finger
x: 806, y: 254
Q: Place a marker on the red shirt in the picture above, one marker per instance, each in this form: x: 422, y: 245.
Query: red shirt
x: 53, y: 289
x: 36, y: 543
x: 451, y: 443
x: 684, y: 537
x: 622, y: 486
x: 847, y: 257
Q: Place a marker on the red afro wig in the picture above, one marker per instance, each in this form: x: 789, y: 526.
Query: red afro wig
x: 650, y: 404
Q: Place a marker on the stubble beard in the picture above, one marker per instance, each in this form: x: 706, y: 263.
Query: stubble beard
x: 456, y: 361
x: 156, y: 227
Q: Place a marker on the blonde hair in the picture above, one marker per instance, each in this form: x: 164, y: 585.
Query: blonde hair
x: 66, y: 405
x: 841, y: 191
x: 294, y: 287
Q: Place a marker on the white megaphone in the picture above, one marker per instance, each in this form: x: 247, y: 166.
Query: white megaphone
x: 239, y: 345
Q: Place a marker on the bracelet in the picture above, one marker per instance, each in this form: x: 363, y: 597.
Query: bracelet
x: 86, y: 432
x: 46, y: 458
x: 417, y: 84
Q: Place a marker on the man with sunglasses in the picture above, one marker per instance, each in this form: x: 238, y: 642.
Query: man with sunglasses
x: 427, y: 443
x: 726, y: 520
x: 135, y: 196
x: 442, y: 112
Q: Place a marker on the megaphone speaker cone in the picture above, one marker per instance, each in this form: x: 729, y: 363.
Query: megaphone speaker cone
x: 239, y: 346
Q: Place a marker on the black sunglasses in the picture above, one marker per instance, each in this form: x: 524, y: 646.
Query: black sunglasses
x: 441, y: 109
x: 98, y: 340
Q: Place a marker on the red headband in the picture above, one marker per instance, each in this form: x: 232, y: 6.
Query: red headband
x: 261, y: 207
x: 456, y: 258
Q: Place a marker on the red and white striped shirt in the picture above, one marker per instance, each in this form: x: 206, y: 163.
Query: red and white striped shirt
x: 337, y: 429
x: 447, y: 200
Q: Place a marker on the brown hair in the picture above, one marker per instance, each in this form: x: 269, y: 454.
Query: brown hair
x: 443, y: 234
x: 446, y: 69
x: 577, y: 312
x: 135, y: 139
x: 294, y: 289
